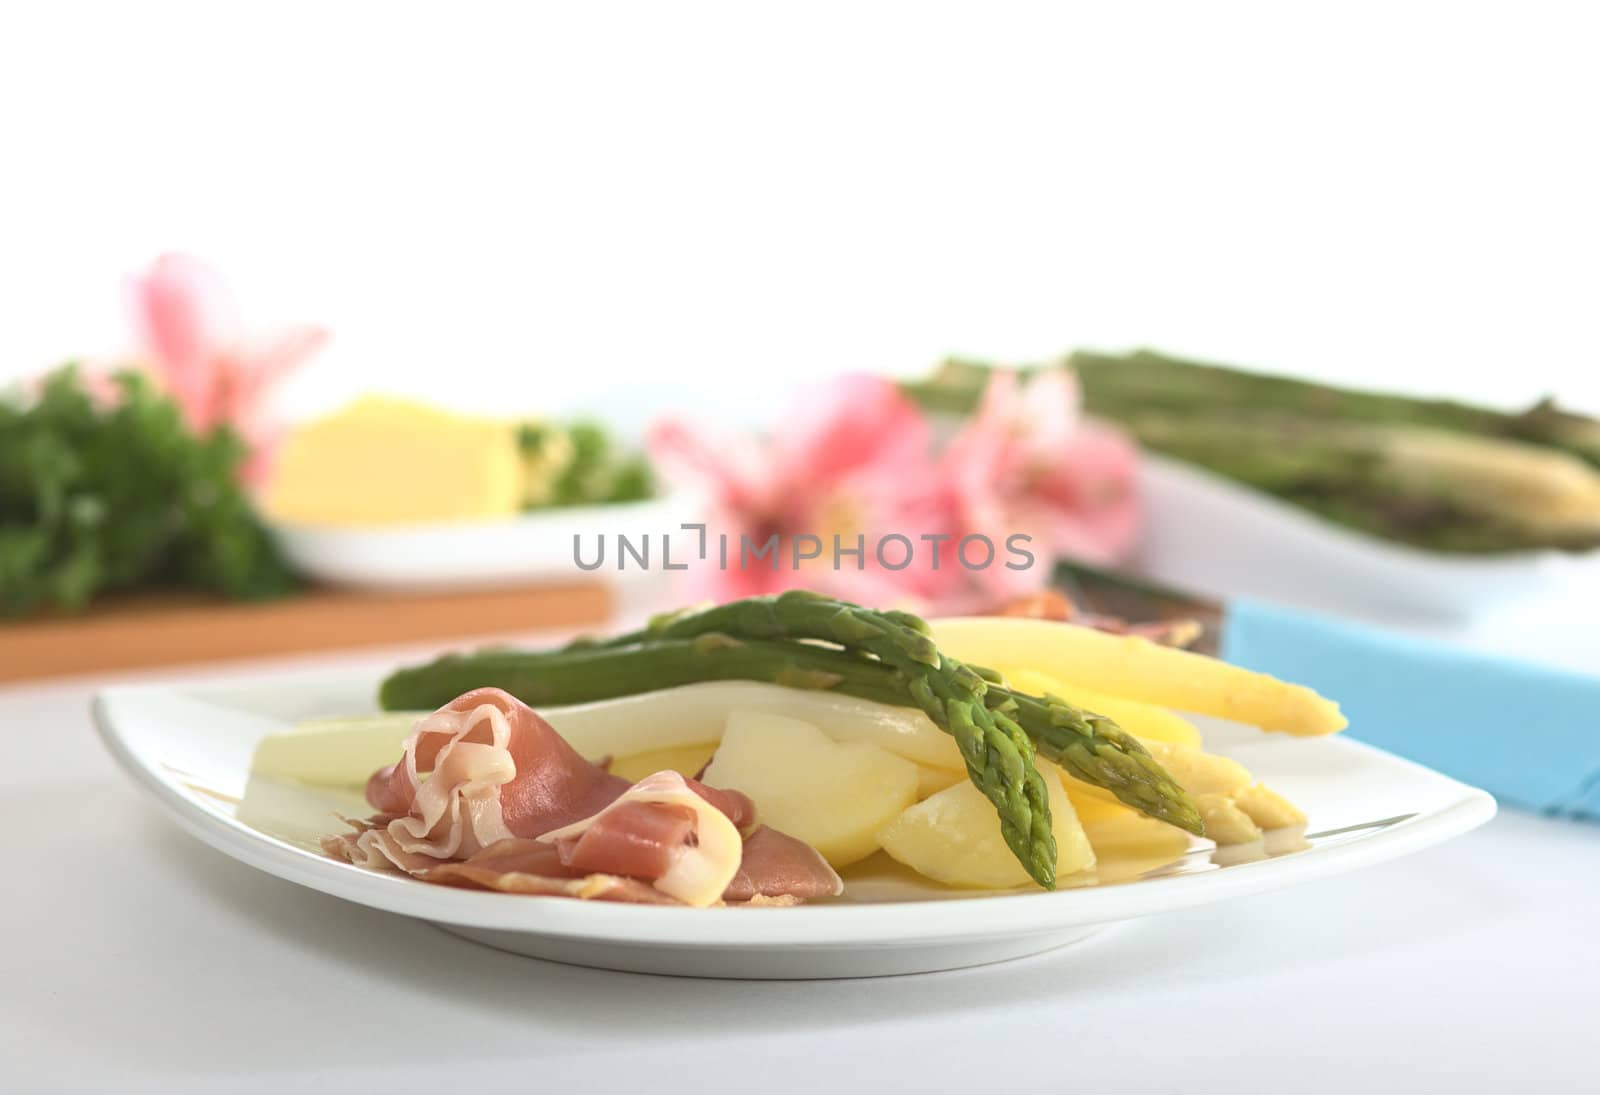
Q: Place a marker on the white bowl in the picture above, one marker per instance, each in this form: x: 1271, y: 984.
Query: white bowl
x: 536, y: 546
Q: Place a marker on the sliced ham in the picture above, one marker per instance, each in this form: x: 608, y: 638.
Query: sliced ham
x: 638, y: 839
x: 510, y: 806
x: 458, y: 811
x: 525, y: 866
x: 552, y: 785
x: 775, y: 869
x: 776, y: 865
x: 660, y: 830
x: 740, y: 810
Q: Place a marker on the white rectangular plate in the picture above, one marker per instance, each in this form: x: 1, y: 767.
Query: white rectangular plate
x: 190, y: 747
x: 1209, y: 535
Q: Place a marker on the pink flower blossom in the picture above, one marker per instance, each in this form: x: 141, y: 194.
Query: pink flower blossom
x: 855, y: 459
x: 851, y: 460
x: 200, y: 353
x: 1028, y: 463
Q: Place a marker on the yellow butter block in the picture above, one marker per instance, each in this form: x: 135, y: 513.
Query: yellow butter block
x: 391, y: 461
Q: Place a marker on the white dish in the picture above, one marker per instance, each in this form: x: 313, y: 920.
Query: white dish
x: 535, y: 546
x: 1208, y: 535
x: 190, y: 748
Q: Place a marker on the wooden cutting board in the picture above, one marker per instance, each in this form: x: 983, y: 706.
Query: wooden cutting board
x: 147, y: 630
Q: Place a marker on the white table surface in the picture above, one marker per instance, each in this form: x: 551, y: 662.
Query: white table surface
x: 134, y: 959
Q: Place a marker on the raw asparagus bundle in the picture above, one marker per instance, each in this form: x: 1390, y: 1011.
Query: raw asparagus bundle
x: 1436, y: 474
x: 881, y: 656
x: 1145, y: 381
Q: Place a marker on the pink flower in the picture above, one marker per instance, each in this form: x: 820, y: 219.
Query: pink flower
x: 1028, y: 463
x: 201, y: 355
x: 854, y: 459
x: 851, y: 459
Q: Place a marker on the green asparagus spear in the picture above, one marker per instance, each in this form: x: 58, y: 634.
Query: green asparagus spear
x: 1145, y: 381
x: 1122, y: 387
x: 1436, y: 474
x: 1096, y: 750
x: 585, y: 674
x: 684, y: 649
x: 998, y: 753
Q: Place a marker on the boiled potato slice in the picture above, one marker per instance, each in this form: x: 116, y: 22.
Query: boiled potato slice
x: 931, y: 781
x: 334, y: 752
x: 1137, y: 669
x: 833, y: 795
x: 954, y: 837
x: 685, y: 760
x: 1142, y: 720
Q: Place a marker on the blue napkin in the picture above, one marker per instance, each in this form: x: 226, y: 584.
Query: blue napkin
x: 1528, y: 734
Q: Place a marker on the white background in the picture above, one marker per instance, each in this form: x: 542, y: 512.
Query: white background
x: 535, y: 207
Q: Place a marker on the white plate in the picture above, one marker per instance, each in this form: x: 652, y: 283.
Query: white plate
x: 190, y: 748
x: 535, y: 546
x: 1208, y: 535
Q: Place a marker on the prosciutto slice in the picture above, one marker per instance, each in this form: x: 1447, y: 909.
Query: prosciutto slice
x: 549, y: 784
x: 776, y: 866
x: 530, y: 867
x: 660, y: 830
x: 510, y: 806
